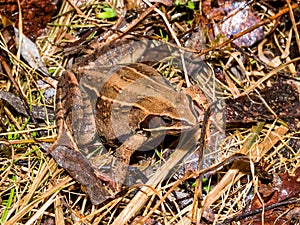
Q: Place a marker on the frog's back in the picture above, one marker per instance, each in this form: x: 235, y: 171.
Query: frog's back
x: 130, y: 96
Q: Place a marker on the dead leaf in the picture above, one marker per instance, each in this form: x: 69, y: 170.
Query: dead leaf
x: 30, y: 52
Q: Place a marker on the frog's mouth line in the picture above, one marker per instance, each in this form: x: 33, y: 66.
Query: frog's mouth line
x: 182, y: 128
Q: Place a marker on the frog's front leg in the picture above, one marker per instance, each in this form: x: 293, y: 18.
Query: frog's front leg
x: 123, y: 155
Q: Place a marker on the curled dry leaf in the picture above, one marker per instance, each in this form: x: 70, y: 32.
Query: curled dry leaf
x: 237, y: 16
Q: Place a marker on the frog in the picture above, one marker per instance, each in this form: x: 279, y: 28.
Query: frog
x: 125, y: 102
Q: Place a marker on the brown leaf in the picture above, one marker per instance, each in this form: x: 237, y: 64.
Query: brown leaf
x: 35, y: 14
x: 290, y: 185
x: 284, y: 186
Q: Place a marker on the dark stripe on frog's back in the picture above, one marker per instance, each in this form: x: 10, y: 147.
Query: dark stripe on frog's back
x: 124, y: 76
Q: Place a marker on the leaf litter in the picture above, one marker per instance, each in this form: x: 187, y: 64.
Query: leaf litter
x: 237, y: 193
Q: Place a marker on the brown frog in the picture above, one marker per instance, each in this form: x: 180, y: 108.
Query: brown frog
x: 127, y: 104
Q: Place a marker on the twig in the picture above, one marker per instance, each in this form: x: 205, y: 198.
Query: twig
x: 200, y: 149
x: 256, y: 211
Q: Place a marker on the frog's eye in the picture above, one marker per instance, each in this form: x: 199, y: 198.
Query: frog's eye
x: 168, y: 120
x: 185, y: 123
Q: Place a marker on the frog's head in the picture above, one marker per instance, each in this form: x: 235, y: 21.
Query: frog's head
x: 163, y: 115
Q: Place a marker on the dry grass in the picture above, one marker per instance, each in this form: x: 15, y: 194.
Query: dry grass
x: 34, y: 190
